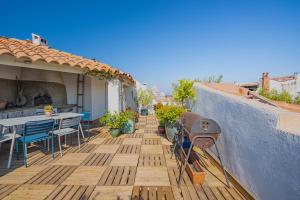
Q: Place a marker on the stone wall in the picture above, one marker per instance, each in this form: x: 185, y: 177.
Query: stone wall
x: 263, y: 158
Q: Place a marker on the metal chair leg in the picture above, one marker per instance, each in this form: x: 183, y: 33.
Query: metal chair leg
x: 224, y: 171
x: 78, y: 133
x: 52, y: 145
x: 48, y: 144
x: 59, y: 144
x: 80, y: 127
x: 17, y: 150
x: 25, y: 154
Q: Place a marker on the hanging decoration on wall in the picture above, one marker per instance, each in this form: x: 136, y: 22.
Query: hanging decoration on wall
x: 21, y: 99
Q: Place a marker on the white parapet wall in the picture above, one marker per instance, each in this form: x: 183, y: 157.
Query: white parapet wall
x: 255, y: 146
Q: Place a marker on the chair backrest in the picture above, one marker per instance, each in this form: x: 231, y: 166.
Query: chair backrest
x: 39, y: 111
x: 86, y: 116
x: 37, y: 127
x: 70, y: 122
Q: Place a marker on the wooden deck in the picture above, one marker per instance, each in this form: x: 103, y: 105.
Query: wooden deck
x: 133, y: 166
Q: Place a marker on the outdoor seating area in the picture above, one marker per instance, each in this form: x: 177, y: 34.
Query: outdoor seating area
x: 131, y: 166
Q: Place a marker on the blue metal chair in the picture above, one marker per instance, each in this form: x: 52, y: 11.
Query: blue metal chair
x: 36, y: 131
x: 85, y: 119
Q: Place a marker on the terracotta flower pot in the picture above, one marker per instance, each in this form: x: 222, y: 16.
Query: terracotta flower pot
x: 171, y: 132
x: 48, y: 113
x: 115, y: 132
x: 161, y: 130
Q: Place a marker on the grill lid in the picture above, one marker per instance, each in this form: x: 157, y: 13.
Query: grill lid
x: 196, y: 124
x: 205, y: 126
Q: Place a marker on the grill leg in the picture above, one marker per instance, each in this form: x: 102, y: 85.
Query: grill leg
x: 174, y: 149
x: 182, y: 166
x: 224, y: 172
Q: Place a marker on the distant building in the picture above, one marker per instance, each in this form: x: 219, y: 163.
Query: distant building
x: 250, y: 86
x: 290, y: 83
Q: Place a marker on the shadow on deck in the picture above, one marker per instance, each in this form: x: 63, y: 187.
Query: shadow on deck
x: 132, y: 166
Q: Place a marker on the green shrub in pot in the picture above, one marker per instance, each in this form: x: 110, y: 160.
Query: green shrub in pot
x: 114, y: 121
x: 168, y: 117
x: 129, y: 121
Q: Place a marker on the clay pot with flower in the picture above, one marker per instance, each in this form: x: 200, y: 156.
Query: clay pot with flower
x: 48, y: 110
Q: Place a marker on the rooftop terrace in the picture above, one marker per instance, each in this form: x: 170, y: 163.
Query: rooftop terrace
x: 133, y: 166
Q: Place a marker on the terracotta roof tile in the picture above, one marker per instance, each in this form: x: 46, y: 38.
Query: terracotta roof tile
x: 26, y: 49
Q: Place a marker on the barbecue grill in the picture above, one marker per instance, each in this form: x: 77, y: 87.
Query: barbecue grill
x: 201, y: 132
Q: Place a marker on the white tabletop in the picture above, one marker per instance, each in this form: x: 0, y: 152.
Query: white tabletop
x: 22, y: 120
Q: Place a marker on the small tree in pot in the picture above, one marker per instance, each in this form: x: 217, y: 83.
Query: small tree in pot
x: 184, y: 92
x: 168, y: 116
x: 144, y: 98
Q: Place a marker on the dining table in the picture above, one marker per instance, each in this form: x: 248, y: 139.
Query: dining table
x: 17, y: 121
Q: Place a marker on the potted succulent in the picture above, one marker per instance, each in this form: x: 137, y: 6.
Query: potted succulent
x: 114, y: 121
x: 168, y: 116
x: 128, y: 117
x: 48, y: 110
x: 144, y: 98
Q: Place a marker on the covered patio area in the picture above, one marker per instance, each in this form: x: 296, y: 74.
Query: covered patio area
x: 132, y: 166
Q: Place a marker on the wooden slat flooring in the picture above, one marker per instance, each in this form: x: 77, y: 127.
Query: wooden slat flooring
x: 98, y: 159
x: 152, y: 141
x: 152, y: 192
x: 71, y: 192
x: 85, y: 148
x: 52, y: 175
x: 113, y: 141
x: 152, y: 160
x: 132, y: 166
x: 129, y: 149
x: 118, y: 176
x: 5, y: 190
x: 135, y: 135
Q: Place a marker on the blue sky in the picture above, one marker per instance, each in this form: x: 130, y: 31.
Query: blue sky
x: 161, y: 41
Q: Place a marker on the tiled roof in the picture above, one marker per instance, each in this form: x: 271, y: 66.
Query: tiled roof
x: 284, y: 78
x: 25, y: 49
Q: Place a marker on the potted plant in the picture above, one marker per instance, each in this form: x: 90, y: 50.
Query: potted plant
x: 144, y: 98
x: 184, y: 92
x: 114, y: 121
x: 48, y: 110
x: 161, y: 126
x: 168, y: 116
x: 128, y: 117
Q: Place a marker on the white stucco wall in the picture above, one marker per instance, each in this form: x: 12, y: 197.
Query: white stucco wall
x: 98, y: 98
x: 264, y: 159
x: 130, y: 93
x: 113, y: 96
x: 292, y: 86
x: 94, y: 94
